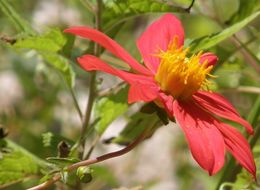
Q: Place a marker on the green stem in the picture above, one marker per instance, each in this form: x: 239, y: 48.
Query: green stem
x: 75, y: 102
x: 92, y: 86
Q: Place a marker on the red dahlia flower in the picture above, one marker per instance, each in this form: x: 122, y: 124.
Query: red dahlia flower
x: 178, y: 84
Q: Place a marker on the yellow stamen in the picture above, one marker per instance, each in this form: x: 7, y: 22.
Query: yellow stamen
x: 179, y: 75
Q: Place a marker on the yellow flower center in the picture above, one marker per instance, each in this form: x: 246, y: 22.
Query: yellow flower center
x: 179, y: 75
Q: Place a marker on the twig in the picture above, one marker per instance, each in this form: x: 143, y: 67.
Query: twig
x: 191, y: 5
x: 91, y: 161
x: 93, y: 145
x: 76, y: 103
x: 248, y: 55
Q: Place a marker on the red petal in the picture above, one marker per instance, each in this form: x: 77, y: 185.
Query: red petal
x: 109, y: 44
x: 167, y: 101
x: 217, y: 104
x: 205, y: 141
x: 158, y: 36
x: 142, y: 92
x: 92, y: 63
x: 238, y: 146
x: 210, y: 57
x: 143, y: 88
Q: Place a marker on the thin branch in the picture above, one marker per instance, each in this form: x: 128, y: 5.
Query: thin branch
x: 191, y: 5
x: 248, y: 55
x: 88, y: 162
x: 93, y: 145
x: 76, y: 103
x: 239, y: 48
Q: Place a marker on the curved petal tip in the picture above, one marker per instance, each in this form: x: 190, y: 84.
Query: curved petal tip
x: 211, y: 58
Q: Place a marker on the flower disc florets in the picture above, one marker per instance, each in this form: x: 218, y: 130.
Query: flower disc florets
x: 179, y: 75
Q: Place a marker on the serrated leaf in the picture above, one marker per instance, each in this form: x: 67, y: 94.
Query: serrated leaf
x: 137, y: 124
x: 117, y: 10
x: 51, y: 141
x: 52, y: 41
x: 15, y: 167
x: 207, y: 42
x: 20, y: 23
x: 108, y: 108
x: 48, y: 45
x: 17, y: 164
x: 62, y: 64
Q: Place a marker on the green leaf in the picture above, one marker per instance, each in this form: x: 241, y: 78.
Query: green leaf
x: 118, y: 10
x: 48, y: 45
x: 52, y: 41
x: 137, y: 124
x: 20, y: 23
x: 17, y: 164
x: 69, y: 45
x: 62, y: 64
x: 108, y: 108
x: 207, y: 42
x: 62, y: 161
x: 245, y: 9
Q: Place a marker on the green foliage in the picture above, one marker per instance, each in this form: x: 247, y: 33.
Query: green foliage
x: 62, y: 64
x: 118, y: 10
x: 138, y: 123
x: 21, y: 24
x: 48, y: 46
x: 108, y: 108
x: 16, y: 164
x: 244, y: 181
x: 246, y: 8
x: 53, y: 141
x: 52, y: 41
x: 61, y: 162
x: 207, y: 42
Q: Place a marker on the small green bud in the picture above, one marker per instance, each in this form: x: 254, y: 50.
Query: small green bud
x: 84, y: 173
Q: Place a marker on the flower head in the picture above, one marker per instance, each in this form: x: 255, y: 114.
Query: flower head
x: 178, y: 83
x: 179, y: 75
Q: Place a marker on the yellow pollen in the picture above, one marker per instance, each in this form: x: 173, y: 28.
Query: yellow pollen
x: 179, y: 75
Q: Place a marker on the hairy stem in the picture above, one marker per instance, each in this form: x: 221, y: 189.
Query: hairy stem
x: 92, y: 85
